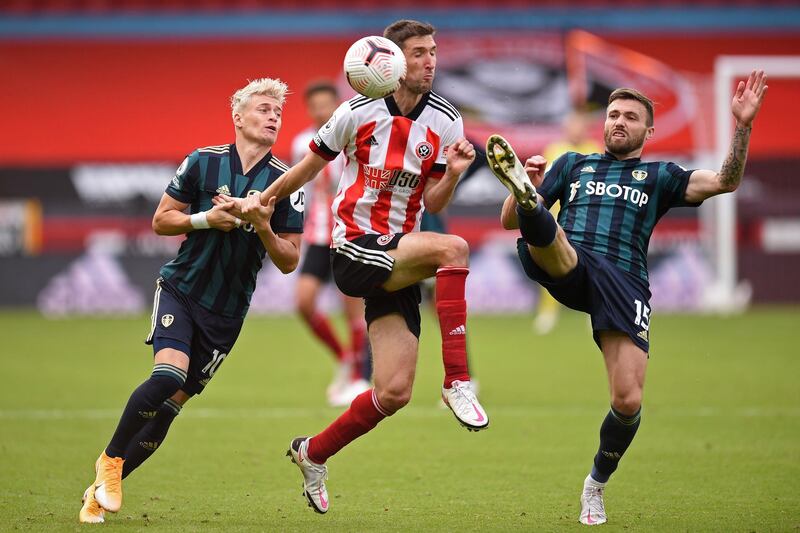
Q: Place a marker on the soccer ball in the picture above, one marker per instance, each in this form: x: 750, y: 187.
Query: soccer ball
x: 374, y: 65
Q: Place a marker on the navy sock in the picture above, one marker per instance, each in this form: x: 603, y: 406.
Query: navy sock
x: 616, y: 434
x: 143, y: 405
x: 537, y: 225
x: 152, y: 435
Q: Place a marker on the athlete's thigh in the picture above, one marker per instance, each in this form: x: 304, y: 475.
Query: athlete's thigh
x: 171, y: 328
x: 353, y: 308
x: 626, y: 363
x: 214, y: 338
x: 306, y: 290
x: 394, y: 352
x: 417, y: 257
x: 558, y: 259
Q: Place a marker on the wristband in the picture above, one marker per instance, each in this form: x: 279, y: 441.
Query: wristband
x: 200, y: 220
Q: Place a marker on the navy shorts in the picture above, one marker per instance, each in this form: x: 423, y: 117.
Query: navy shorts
x: 178, y: 321
x: 362, y: 266
x: 615, y: 299
x: 317, y: 262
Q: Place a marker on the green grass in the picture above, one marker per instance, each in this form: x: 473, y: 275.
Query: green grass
x: 718, y: 449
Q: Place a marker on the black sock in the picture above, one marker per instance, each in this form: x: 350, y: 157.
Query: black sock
x: 616, y: 434
x: 152, y: 435
x: 143, y: 405
x: 537, y: 225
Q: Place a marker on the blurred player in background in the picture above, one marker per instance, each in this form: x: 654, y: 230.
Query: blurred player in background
x: 595, y: 258
x: 322, y: 99
x: 203, y: 294
x: 405, y: 153
x: 576, y: 138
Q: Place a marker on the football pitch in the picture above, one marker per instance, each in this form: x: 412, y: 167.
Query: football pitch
x: 718, y: 448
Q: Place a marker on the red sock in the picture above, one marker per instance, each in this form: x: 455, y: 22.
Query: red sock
x: 452, y: 310
x: 321, y: 327
x: 363, y: 414
x: 358, y: 334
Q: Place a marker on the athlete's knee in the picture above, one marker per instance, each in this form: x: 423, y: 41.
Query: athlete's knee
x: 394, y: 396
x: 627, y: 402
x: 454, y: 251
x: 306, y: 308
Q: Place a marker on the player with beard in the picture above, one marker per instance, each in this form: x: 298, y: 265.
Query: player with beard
x: 405, y: 154
x: 595, y: 258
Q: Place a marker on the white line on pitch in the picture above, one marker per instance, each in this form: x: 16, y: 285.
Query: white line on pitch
x: 414, y: 412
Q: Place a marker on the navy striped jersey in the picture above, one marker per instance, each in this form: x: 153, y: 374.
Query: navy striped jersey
x: 611, y: 207
x: 214, y: 268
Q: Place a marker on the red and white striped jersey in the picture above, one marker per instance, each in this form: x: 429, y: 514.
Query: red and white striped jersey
x: 319, y: 194
x: 389, y: 159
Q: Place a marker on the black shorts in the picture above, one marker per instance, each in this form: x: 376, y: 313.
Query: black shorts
x: 362, y: 266
x: 615, y: 299
x: 178, y: 321
x: 317, y: 262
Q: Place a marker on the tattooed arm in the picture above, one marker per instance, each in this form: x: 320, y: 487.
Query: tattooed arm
x: 745, y: 105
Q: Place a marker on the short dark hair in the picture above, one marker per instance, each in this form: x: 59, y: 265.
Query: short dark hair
x: 625, y: 93
x: 320, y: 86
x: 398, y: 32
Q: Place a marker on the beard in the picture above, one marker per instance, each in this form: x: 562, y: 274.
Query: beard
x: 418, y: 86
x: 624, y: 146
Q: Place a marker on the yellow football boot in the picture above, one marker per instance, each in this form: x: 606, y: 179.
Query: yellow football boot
x: 91, y: 512
x: 108, y: 484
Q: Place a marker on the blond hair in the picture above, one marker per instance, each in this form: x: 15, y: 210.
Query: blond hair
x: 262, y: 86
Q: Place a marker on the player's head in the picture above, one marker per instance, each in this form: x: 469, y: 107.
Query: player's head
x: 321, y: 99
x: 629, y: 122
x: 415, y: 39
x: 256, y: 109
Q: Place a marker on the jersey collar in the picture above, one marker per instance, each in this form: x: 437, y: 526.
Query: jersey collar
x: 236, y: 163
x: 609, y: 155
x: 391, y: 105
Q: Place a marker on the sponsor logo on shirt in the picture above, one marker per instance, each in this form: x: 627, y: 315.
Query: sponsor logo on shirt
x: 389, y: 180
x: 613, y: 190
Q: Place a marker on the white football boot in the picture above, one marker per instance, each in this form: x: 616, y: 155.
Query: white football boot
x: 349, y: 393
x: 314, y: 475
x: 461, y: 399
x: 340, y: 382
x: 593, y: 511
x: 507, y: 167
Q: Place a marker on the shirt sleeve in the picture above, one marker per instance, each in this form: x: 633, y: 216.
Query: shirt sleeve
x: 555, y: 179
x: 672, y: 181
x: 184, y: 185
x: 288, y: 215
x: 334, y: 135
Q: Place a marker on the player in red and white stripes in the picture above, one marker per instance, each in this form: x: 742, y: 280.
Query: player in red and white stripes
x: 404, y: 153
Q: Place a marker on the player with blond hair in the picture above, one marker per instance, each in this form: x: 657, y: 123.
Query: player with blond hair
x: 203, y: 295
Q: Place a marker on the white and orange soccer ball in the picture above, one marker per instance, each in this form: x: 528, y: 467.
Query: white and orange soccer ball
x: 374, y: 66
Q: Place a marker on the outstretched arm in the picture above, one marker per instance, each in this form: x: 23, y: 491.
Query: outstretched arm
x: 294, y: 178
x: 745, y: 106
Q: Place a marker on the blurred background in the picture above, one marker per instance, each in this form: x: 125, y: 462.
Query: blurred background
x: 100, y: 101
